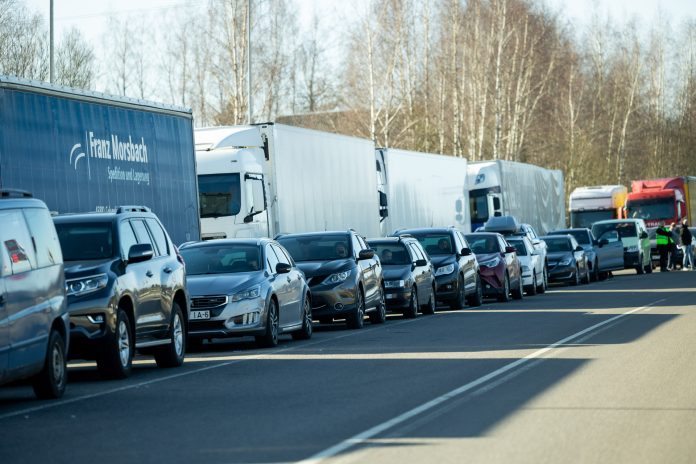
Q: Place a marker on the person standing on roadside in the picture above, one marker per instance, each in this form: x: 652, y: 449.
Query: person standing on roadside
x: 687, y: 243
x: 662, y: 238
x: 674, y: 243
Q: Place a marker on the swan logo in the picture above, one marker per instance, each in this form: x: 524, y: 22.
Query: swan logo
x: 77, y: 153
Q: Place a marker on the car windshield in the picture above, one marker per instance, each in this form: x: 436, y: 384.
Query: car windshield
x: 581, y: 236
x: 482, y: 244
x: 221, y: 259
x: 519, y: 246
x: 436, y: 243
x: 391, y: 253
x: 625, y: 229
x: 86, y: 241
x: 555, y: 245
x: 317, y: 247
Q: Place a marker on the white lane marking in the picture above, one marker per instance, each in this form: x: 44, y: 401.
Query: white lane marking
x: 242, y: 358
x: 378, y: 429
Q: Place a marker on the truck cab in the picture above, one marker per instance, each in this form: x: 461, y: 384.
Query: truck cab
x: 231, y: 182
x: 596, y: 203
x: 658, y: 200
x: 485, y: 195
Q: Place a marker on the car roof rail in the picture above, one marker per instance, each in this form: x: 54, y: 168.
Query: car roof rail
x: 132, y: 209
x: 15, y: 193
x: 400, y: 236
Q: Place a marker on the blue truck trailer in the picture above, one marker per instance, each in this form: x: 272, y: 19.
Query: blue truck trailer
x: 83, y: 151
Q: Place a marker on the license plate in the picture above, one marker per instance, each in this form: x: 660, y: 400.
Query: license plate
x: 200, y: 315
x: 391, y: 295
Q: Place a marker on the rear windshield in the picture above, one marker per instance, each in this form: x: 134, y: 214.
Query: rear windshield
x: 222, y: 259
x: 85, y: 242
x: 554, y: 245
x: 391, y: 253
x: 317, y: 248
x: 436, y: 244
x: 625, y: 229
x: 581, y: 236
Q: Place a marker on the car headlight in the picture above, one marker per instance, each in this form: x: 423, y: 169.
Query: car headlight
x: 84, y: 285
x: 394, y: 283
x: 565, y: 262
x: 632, y: 249
x: 337, y: 277
x: 491, y: 262
x: 253, y: 292
x: 445, y: 270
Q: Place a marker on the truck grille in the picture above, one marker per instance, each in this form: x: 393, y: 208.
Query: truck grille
x: 208, y: 302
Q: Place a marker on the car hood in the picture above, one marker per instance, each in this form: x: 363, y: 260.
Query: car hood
x: 483, y: 257
x: 559, y: 256
x: 442, y: 260
x: 221, y: 284
x: 315, y: 268
x: 75, y: 269
x: 396, y: 271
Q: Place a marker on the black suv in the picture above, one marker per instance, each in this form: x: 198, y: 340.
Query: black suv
x: 343, y: 273
x: 126, y: 286
x: 456, y: 269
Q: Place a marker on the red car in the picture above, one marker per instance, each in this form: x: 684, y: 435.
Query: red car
x: 499, y: 267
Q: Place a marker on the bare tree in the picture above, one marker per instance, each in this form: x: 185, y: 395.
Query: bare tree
x: 75, y: 61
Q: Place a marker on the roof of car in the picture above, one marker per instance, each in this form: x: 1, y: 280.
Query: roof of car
x: 316, y: 234
x: 14, y: 202
x: 556, y: 237
x: 69, y: 218
x: 229, y: 241
x: 424, y: 230
x: 565, y: 231
x: 485, y: 233
x: 390, y: 239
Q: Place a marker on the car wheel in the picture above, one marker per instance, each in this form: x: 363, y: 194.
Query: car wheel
x: 460, y: 301
x: 412, y: 310
x: 50, y: 382
x: 544, y: 282
x: 357, y: 320
x: 270, y: 338
x: 172, y: 355
x: 379, y: 315
x: 640, y: 269
x: 576, y: 281
x: 117, y: 360
x: 518, y: 293
x: 586, y: 279
x: 533, y: 289
x: 505, y: 295
x: 429, y: 307
x: 595, y: 271
x: 477, y: 298
x: 305, y: 333
x: 649, y: 267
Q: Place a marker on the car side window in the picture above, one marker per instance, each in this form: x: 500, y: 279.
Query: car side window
x: 142, y: 233
x: 357, y: 246
x: 271, y: 259
x: 280, y: 255
x: 43, y: 235
x: 16, y: 242
x: 502, y: 244
x: 416, y: 252
x: 126, y: 238
x: 159, y: 236
x: 420, y: 248
x: 286, y: 254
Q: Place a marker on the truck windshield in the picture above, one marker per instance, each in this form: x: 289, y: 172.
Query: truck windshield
x: 317, y: 248
x: 651, y: 208
x: 219, y: 195
x: 478, y: 202
x: 85, y: 241
x: 581, y: 219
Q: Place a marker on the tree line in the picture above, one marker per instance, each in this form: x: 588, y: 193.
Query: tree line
x: 606, y: 102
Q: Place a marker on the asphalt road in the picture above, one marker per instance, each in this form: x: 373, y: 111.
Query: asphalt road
x: 597, y: 373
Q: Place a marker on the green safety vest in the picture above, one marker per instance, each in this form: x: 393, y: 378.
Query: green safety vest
x: 661, y: 239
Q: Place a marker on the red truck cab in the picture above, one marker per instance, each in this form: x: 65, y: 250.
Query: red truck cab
x: 658, y: 200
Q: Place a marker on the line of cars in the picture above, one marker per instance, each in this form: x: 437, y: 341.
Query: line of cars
x: 103, y: 286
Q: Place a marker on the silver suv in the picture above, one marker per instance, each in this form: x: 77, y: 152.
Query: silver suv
x: 32, y: 296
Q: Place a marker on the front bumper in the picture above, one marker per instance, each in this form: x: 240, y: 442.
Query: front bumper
x: 234, y: 319
x: 335, y: 302
x: 492, y: 280
x: 447, y: 286
x: 632, y: 259
x: 562, y: 273
x: 397, y: 297
x: 92, y: 324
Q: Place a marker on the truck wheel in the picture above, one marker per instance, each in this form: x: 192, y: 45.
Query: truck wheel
x: 172, y: 354
x: 270, y: 338
x: 505, y: 295
x: 116, y: 360
x: 412, y: 310
x: 50, y: 382
x: 305, y: 333
x: 357, y: 320
x: 379, y: 315
x: 477, y: 298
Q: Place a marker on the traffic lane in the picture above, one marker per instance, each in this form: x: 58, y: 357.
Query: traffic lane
x: 364, y: 386
x: 625, y: 402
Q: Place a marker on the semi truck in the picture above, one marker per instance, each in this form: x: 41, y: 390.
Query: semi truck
x: 421, y: 190
x: 534, y: 195
x: 268, y: 179
x: 588, y: 205
x: 669, y: 199
x: 83, y: 151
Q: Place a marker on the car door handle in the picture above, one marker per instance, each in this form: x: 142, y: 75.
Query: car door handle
x: 168, y: 270
x: 149, y: 273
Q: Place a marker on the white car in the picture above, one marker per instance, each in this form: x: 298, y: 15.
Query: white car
x: 531, y: 262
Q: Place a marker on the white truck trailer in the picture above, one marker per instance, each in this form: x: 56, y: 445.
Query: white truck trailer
x: 591, y: 204
x: 421, y: 190
x: 266, y: 179
x: 533, y: 194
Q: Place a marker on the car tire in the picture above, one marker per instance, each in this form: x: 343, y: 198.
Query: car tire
x: 412, y: 310
x: 544, y: 282
x: 640, y: 269
x: 357, y: 319
x: 576, y: 280
x: 305, y: 333
x: 270, y: 338
x: 50, y: 382
x: 116, y: 361
x: 649, y: 268
x: 533, y: 289
x: 173, y: 354
x: 518, y: 293
x: 429, y: 307
x: 586, y: 279
x: 504, y: 297
x: 477, y: 298
x: 595, y: 271
x: 379, y: 315
x: 460, y: 301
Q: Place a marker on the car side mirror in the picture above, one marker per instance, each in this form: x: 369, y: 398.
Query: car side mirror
x: 366, y: 254
x: 579, y: 248
x: 140, y: 252
x: 420, y: 262
x: 643, y: 235
x: 465, y: 252
x: 509, y: 249
x: 283, y: 268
